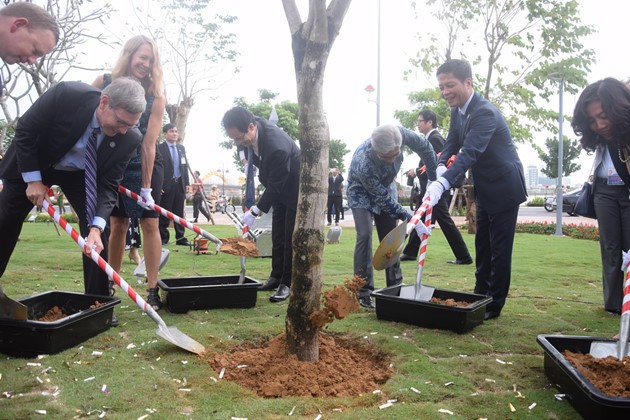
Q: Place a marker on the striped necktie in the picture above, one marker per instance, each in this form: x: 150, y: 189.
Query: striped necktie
x: 90, y: 176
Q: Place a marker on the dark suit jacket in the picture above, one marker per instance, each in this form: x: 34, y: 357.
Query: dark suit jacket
x: 483, y: 143
x: 278, y: 161
x: 53, y: 125
x: 334, y: 187
x: 165, y: 151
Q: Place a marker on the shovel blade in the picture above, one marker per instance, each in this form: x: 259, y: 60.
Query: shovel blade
x: 12, y: 309
x: 602, y: 349
x: 175, y: 336
x: 422, y: 293
x: 390, y: 248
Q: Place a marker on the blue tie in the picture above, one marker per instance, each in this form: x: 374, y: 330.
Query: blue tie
x: 90, y: 176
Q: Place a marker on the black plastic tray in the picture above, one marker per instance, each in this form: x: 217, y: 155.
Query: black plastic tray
x: 213, y: 292
x: 589, y: 401
x: 31, y: 337
x: 390, y: 306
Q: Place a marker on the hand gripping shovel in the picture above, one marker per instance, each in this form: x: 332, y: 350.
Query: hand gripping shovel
x: 12, y: 309
x: 247, y: 234
x: 390, y: 248
x: 175, y: 218
x: 602, y: 349
x: 170, y: 334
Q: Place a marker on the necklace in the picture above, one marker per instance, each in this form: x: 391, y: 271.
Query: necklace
x: 625, y: 153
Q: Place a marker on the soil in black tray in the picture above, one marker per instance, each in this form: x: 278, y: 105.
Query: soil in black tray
x: 609, y: 375
x: 449, y: 302
x: 56, y: 313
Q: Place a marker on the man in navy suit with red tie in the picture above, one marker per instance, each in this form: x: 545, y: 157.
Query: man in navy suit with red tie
x: 480, y: 137
x: 49, y: 148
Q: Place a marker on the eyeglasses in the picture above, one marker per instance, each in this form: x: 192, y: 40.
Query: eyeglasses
x: 419, y: 121
x: 122, y: 123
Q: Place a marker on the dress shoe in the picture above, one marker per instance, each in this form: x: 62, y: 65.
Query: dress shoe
x: 405, y: 257
x: 491, y: 315
x: 114, y: 322
x: 614, y: 311
x: 461, y: 261
x: 366, y: 302
x: 282, y: 294
x: 183, y: 242
x: 270, y: 284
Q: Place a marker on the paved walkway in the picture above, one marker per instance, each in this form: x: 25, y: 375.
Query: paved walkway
x: 526, y: 214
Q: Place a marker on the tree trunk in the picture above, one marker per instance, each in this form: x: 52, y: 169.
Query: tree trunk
x: 178, y: 115
x: 312, y: 41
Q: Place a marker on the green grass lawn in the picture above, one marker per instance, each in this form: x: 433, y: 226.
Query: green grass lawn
x: 556, y: 288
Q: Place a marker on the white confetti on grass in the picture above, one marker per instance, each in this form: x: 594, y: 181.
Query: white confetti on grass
x: 512, y: 409
x: 384, y: 406
x: 414, y: 390
x: 292, y: 411
x: 91, y: 378
x: 500, y: 361
x: 445, y: 411
x: 221, y: 373
x: 531, y: 406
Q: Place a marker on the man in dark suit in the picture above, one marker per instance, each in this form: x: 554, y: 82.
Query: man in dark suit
x: 335, y: 186
x: 175, y: 183
x: 277, y: 157
x: 427, y: 123
x: 480, y: 137
x: 27, y: 32
x: 49, y: 148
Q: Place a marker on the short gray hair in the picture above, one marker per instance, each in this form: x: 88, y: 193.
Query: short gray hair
x: 386, y: 138
x: 126, y: 93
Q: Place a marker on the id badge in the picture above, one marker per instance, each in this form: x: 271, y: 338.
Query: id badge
x: 182, y: 161
x: 614, y: 178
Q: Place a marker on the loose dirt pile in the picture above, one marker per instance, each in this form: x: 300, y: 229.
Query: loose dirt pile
x: 338, y: 302
x: 449, y: 302
x: 609, y: 375
x: 55, y: 313
x: 239, y: 246
x: 347, y: 366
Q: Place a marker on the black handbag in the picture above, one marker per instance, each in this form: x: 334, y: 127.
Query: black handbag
x: 585, y: 205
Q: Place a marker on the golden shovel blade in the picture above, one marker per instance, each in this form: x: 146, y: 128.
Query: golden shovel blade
x: 390, y: 248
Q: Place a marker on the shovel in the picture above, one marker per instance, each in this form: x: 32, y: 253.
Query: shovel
x: 247, y: 234
x: 170, y: 334
x: 175, y: 218
x: 423, y: 293
x: 390, y: 248
x: 12, y: 309
x: 601, y: 349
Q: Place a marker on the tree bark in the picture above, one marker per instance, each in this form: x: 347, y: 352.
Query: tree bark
x: 312, y: 41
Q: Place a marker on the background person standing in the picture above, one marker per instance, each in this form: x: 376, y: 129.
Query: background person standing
x: 176, y: 182
x: 427, y: 123
x: 140, y: 59
x: 335, y: 187
x: 196, y: 188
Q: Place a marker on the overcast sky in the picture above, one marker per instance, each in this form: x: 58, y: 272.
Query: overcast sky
x: 266, y: 62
